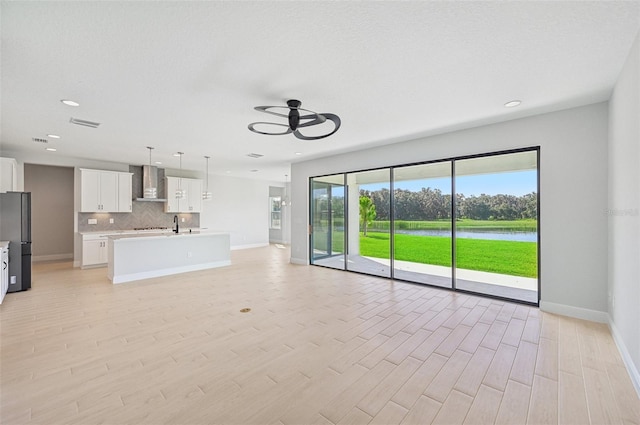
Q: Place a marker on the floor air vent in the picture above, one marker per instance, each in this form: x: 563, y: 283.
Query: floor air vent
x: 38, y: 140
x: 255, y: 155
x: 84, y: 122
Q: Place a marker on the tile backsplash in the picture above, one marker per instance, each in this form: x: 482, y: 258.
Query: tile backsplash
x: 145, y: 214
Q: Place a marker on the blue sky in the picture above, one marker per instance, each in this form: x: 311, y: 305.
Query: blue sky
x: 516, y: 183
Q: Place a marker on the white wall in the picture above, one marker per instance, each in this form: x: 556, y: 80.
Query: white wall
x: 624, y: 212
x: 573, y: 195
x: 240, y: 207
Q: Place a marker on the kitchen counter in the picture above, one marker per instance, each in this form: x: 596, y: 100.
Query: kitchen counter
x: 162, y: 234
x: 4, y: 244
x: 138, y: 232
x: 146, y: 255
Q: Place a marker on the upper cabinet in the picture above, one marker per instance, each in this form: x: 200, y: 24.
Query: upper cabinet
x: 105, y: 191
x: 192, y: 203
x: 194, y: 195
x: 8, y: 175
x: 125, y: 195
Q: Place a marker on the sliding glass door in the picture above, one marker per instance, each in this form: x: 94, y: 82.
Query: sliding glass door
x: 422, y: 224
x: 468, y: 223
x: 497, y: 225
x: 369, y: 247
x: 327, y: 221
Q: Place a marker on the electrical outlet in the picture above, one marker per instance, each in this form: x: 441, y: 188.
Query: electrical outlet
x: 92, y: 221
x: 110, y: 221
x: 189, y: 254
x: 184, y: 219
x: 13, y: 280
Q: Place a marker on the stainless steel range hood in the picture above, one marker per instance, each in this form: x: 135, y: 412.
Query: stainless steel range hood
x: 149, y: 179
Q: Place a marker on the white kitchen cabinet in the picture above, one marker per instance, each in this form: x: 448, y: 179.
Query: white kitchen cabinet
x: 194, y: 195
x: 8, y: 175
x: 125, y: 198
x: 192, y: 203
x: 94, y: 250
x: 105, y: 191
x: 172, y: 204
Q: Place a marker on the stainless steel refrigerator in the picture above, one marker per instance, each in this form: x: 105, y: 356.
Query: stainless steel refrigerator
x: 15, y: 227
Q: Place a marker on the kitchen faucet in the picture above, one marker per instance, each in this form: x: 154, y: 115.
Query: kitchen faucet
x: 175, y: 221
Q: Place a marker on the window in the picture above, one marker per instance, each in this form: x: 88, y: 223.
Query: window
x: 275, y: 205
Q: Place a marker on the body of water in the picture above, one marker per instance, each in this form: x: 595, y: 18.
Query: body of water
x: 497, y: 235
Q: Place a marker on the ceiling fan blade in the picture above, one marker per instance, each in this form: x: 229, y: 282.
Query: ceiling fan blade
x: 252, y: 128
x: 331, y: 117
x: 315, y: 119
x: 278, y: 114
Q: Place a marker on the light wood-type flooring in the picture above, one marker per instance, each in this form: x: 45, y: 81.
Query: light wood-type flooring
x: 319, y: 346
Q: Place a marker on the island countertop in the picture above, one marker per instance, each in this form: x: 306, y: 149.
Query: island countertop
x: 146, y: 255
x: 160, y: 235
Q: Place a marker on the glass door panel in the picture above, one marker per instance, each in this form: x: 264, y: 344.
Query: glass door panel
x: 496, y: 248
x: 422, y: 223
x: 327, y: 221
x: 369, y: 207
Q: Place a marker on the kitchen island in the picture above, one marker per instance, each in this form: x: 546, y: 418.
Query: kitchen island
x: 143, y: 256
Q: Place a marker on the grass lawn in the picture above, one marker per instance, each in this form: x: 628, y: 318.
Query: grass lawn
x: 505, y: 257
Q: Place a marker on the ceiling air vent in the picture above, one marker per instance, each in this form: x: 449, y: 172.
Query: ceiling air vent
x: 84, y: 122
x: 255, y: 155
x: 38, y: 140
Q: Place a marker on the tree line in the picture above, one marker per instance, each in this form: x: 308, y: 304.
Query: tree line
x: 432, y: 204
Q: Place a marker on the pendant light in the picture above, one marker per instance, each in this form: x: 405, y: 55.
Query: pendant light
x: 150, y: 192
x: 180, y: 193
x: 285, y: 199
x: 206, y: 195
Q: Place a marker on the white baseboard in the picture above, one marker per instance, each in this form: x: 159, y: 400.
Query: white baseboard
x: 248, y: 246
x: 626, y: 357
x: 93, y: 266
x: 281, y: 242
x: 577, y: 312
x: 53, y: 257
x: 76, y: 263
x: 300, y: 261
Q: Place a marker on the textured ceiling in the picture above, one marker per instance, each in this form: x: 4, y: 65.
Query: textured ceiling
x: 185, y: 76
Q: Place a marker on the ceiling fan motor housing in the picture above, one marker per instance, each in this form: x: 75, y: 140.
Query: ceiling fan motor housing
x: 294, y: 114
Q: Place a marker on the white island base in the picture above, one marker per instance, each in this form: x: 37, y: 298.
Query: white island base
x: 135, y: 257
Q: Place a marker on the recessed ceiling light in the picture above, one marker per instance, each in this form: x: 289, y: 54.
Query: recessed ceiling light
x: 512, y: 104
x: 298, y: 153
x: 158, y: 162
x: 228, y: 171
x: 254, y: 171
x: 176, y: 154
x: 69, y: 102
x: 50, y: 149
x: 53, y: 136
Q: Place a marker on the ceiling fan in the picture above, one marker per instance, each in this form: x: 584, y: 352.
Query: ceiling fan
x: 295, y: 120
